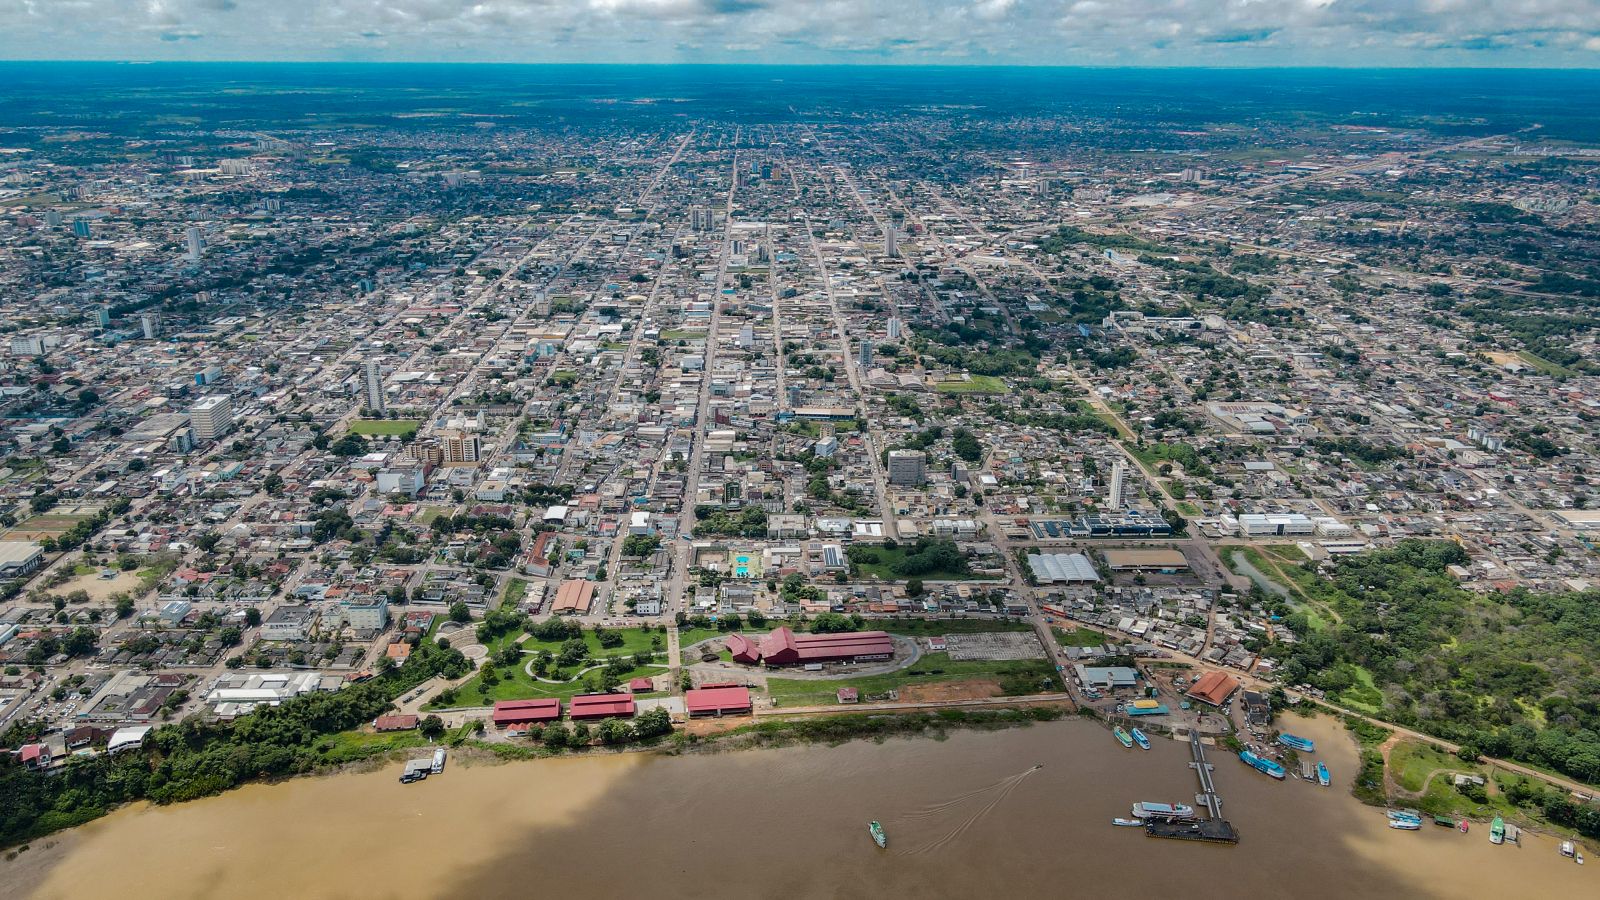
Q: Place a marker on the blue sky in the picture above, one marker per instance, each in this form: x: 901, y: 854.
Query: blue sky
x: 1538, y: 33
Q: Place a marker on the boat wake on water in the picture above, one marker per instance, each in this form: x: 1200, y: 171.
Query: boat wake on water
x: 983, y: 801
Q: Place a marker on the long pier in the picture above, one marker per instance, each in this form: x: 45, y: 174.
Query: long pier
x: 1202, y: 769
x: 1211, y: 829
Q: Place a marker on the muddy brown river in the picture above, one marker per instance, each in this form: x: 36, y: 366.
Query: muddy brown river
x: 962, y: 821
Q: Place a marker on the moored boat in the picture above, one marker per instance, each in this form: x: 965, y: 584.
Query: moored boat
x: 1123, y: 738
x: 1497, y: 831
x: 1403, y: 815
x: 1140, y: 739
x: 1405, y: 824
x: 1146, y: 809
x: 1444, y: 821
x: 1294, y: 742
x: 1262, y: 764
x: 1567, y: 850
x: 1322, y: 774
x: 878, y: 835
x: 1128, y: 823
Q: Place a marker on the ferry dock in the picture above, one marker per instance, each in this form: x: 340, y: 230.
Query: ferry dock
x: 1212, y: 829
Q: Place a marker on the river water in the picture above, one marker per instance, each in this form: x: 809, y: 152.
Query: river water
x: 790, y: 823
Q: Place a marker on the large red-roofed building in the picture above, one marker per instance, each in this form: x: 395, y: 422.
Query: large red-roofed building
x: 601, y: 706
x: 525, y: 712
x: 785, y: 648
x: 1214, y: 688
x: 718, y: 700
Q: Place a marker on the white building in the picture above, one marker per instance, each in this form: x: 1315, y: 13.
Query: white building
x: 373, y: 381
x: 193, y: 244
x: 1115, y: 498
x: 371, y: 614
x: 211, y: 417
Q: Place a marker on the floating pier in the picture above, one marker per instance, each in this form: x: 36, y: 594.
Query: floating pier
x: 1213, y: 829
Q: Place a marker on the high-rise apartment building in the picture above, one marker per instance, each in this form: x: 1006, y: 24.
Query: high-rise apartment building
x: 211, y: 417
x: 908, y: 467
x: 372, y: 380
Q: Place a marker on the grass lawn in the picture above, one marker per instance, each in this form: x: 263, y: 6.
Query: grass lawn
x: 429, y: 513
x: 516, y: 588
x: 976, y: 384
x: 1411, y: 761
x: 679, y: 334
x: 350, y: 746
x: 84, y: 569
x: 1542, y: 364
x: 884, y: 567
x: 691, y: 636
x: 516, y: 684
x: 1079, y: 637
x: 932, y: 668
x: 1288, y: 553
x: 1189, y: 509
x: 634, y: 640
x: 389, y: 427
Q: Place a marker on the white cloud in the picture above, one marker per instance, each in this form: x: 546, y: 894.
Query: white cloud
x: 1158, y: 32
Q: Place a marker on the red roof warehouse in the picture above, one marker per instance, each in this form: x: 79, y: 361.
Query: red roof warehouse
x: 785, y: 648
x: 1214, y: 688
x: 600, y: 706
x: 717, y: 700
x: 526, y: 712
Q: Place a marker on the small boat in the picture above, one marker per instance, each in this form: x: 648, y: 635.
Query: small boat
x: 1261, y: 764
x: 1463, y: 826
x: 1567, y: 850
x: 1128, y: 823
x: 1403, y: 815
x: 1444, y: 821
x: 1140, y: 739
x: 1322, y: 774
x: 1405, y: 824
x: 1123, y: 737
x: 1579, y: 858
x: 1497, y: 831
x: 1514, y: 835
x: 878, y: 836
x: 1145, y: 809
x: 1296, y: 743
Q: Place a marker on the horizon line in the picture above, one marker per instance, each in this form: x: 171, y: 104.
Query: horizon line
x: 1326, y: 67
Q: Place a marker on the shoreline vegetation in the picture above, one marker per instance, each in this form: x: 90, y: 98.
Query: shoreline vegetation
x: 371, y: 752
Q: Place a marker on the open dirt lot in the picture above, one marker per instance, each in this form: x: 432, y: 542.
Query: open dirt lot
x: 973, y: 689
x: 100, y: 589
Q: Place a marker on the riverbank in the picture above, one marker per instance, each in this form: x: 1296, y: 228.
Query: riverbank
x: 786, y: 822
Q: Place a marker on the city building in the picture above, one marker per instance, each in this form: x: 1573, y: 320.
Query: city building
x: 783, y: 647
x: 908, y: 467
x: 211, y: 417
x: 511, y: 713
x: 717, y: 700
x: 372, y: 380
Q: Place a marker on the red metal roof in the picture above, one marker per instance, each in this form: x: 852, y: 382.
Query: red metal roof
x: 519, y: 712
x: 784, y: 647
x: 600, y: 706
x: 1214, y: 688
x: 720, y: 699
x: 396, y: 723
x: 641, y: 685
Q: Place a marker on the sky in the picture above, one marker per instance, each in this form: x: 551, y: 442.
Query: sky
x: 1532, y: 33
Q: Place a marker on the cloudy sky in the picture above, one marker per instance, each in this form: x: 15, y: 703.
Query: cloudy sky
x: 1034, y: 32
